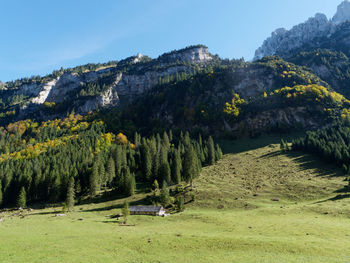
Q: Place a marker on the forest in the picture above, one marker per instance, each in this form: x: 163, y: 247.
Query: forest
x: 46, y: 162
x: 331, y: 144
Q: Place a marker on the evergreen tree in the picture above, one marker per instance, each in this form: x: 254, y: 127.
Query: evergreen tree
x: 22, y: 198
x: 125, y: 211
x: 164, y: 171
x: 110, y: 170
x: 146, y: 161
x: 166, y: 141
x: 118, y: 161
x: 70, y: 194
x: 155, y: 185
x: 180, y: 203
x: 170, y: 135
x: 102, y: 175
x: 218, y: 152
x: 190, y: 165
x: 93, y: 182
x: 130, y: 185
x: 164, y: 195
x: 211, y: 151
x: 176, y: 167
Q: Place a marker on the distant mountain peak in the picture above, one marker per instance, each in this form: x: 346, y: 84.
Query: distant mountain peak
x: 282, y: 41
x: 343, y: 13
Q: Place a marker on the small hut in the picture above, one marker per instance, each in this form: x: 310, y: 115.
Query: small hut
x: 147, y: 210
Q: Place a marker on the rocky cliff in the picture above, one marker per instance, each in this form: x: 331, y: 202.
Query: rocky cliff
x: 126, y: 80
x: 283, y: 41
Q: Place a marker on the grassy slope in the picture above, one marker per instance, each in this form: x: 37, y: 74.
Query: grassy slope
x: 232, y: 220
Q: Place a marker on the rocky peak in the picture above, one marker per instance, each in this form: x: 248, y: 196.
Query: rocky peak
x: 343, y: 13
x: 193, y: 54
x: 282, y: 41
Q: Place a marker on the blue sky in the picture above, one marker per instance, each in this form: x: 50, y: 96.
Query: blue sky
x: 39, y: 36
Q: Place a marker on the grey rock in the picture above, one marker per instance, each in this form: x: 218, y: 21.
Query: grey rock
x: 343, y: 13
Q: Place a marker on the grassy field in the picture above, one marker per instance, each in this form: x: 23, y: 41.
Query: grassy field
x: 255, y: 205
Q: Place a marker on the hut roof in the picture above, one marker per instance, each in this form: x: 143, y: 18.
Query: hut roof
x: 145, y: 208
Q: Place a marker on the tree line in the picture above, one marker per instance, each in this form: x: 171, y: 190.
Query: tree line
x: 91, y: 161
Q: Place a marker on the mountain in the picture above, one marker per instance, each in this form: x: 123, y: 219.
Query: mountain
x: 313, y: 32
x: 87, y: 88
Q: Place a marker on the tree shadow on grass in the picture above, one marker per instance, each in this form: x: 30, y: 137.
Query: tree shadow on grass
x: 248, y: 144
x: 45, y: 213
x: 335, y: 198
x: 143, y: 201
x: 308, y: 162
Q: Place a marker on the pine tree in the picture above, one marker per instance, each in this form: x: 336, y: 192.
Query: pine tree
x: 70, y: 194
x: 176, y: 167
x: 170, y: 135
x: 164, y: 171
x: 22, y: 198
x: 218, y: 152
x: 166, y: 141
x: 93, y: 180
x: 164, y: 167
x: 164, y: 195
x: 118, y: 161
x: 125, y: 211
x: 102, y: 175
x: 211, y: 151
x: 130, y: 185
x: 180, y: 203
x: 190, y: 164
x: 110, y: 170
x: 146, y: 160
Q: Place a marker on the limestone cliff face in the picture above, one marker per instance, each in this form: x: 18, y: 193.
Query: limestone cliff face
x: 133, y: 77
x: 343, y: 13
x: 282, y: 41
x: 271, y: 119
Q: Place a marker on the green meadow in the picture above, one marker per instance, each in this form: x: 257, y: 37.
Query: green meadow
x: 254, y: 205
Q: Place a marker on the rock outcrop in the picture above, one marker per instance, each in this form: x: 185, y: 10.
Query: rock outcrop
x: 131, y: 77
x: 282, y: 41
x: 343, y: 13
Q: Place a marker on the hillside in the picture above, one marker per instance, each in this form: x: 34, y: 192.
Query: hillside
x: 233, y: 218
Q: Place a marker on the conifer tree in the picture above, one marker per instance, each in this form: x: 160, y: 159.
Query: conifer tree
x: 102, y: 175
x: 110, y: 170
x: 176, y: 167
x: 118, y: 161
x: 125, y: 211
x: 218, y: 152
x: 166, y: 141
x: 164, y: 195
x: 93, y: 180
x: 146, y: 161
x: 164, y: 167
x: 190, y: 164
x: 22, y: 198
x: 180, y: 203
x: 211, y: 151
x: 70, y: 194
x: 170, y: 135
x: 130, y: 185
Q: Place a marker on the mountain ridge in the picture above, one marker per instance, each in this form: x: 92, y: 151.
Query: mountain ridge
x: 282, y: 41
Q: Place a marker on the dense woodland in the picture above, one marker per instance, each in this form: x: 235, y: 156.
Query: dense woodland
x: 332, y: 144
x: 46, y: 162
